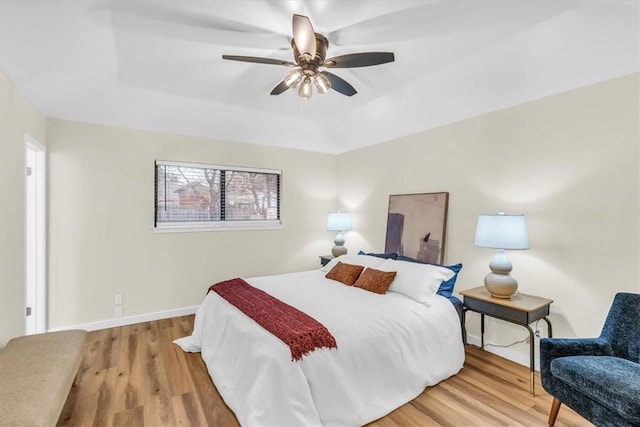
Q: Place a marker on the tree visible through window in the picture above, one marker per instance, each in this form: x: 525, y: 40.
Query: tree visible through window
x: 197, y: 195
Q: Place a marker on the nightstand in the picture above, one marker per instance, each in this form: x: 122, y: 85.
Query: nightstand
x: 324, y: 259
x: 520, y: 309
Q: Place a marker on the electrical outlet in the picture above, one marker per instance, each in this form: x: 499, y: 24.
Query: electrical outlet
x: 117, y: 312
x: 537, y: 334
x: 117, y: 299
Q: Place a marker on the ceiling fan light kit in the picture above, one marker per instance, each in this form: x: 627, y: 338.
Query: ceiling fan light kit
x: 305, y: 88
x: 309, y: 53
x: 293, y: 78
x: 322, y: 83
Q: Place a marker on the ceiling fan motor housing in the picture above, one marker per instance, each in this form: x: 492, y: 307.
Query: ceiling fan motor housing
x: 310, y: 65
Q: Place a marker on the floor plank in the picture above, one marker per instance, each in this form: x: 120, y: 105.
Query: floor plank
x: 135, y: 376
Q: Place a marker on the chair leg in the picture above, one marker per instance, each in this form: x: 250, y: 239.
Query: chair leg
x: 553, y: 414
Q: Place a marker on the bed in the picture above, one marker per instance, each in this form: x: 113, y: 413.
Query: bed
x: 389, y: 348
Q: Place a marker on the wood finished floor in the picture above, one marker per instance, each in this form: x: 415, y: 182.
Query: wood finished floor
x: 135, y: 376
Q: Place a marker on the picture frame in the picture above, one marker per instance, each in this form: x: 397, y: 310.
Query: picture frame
x: 417, y: 226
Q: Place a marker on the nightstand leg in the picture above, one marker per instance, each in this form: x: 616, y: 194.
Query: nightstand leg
x: 549, y: 329
x: 482, y: 331
x: 464, y: 325
x: 532, y: 384
x: 532, y: 360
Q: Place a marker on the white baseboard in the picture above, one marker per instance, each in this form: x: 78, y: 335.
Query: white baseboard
x: 130, y: 320
x: 507, y: 353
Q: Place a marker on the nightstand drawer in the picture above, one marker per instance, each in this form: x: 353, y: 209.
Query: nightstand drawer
x: 495, y: 310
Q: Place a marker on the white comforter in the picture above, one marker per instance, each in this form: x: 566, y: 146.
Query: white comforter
x: 389, y: 349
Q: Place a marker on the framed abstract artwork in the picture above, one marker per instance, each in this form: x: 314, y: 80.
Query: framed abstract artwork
x: 417, y: 225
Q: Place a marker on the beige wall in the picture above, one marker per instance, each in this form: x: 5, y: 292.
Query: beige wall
x: 17, y: 118
x: 101, y: 241
x: 570, y: 162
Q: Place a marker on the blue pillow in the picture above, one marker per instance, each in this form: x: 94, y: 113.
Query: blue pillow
x: 446, y: 288
x: 388, y: 255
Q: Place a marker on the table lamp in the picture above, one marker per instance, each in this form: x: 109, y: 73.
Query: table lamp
x: 502, y: 232
x: 339, y: 221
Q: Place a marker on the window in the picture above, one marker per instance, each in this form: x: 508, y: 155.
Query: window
x: 192, y: 196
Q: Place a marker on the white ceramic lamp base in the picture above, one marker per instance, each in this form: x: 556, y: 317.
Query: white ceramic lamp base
x: 338, y: 248
x: 499, y: 283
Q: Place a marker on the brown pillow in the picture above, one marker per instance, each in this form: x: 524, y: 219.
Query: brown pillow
x: 345, y: 273
x: 375, y: 280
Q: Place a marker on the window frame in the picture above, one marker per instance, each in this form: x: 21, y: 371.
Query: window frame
x: 216, y: 225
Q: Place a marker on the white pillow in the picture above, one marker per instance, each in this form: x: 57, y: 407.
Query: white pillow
x: 415, y: 280
x: 363, y: 260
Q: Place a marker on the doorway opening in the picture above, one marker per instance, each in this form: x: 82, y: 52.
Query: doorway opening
x: 35, y: 236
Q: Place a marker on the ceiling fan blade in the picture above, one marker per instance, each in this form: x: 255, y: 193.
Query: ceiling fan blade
x: 258, y: 60
x: 354, y: 60
x: 304, y: 36
x: 282, y: 86
x: 339, y: 84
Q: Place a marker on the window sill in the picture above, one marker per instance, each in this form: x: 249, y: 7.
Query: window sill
x: 231, y: 226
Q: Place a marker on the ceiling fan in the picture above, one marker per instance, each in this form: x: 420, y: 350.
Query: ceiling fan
x: 309, y: 51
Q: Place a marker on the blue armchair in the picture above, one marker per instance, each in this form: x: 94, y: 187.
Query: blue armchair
x: 599, y: 378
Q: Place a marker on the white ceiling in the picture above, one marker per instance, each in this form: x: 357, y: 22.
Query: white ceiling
x: 157, y: 64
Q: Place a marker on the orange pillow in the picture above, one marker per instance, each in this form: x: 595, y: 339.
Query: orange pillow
x: 345, y: 273
x: 375, y: 280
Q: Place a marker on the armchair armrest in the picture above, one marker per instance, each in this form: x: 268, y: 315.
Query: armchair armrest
x: 552, y: 348
x: 561, y: 347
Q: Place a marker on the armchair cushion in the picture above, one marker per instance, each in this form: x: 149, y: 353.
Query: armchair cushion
x: 611, y: 381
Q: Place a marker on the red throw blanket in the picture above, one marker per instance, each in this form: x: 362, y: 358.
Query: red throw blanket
x: 301, y: 332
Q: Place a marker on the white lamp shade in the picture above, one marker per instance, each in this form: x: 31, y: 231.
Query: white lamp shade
x: 501, y: 231
x: 339, y: 221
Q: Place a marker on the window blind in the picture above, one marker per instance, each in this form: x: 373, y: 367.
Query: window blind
x: 193, y: 195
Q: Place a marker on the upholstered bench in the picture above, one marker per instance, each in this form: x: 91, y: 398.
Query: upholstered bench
x: 36, y: 373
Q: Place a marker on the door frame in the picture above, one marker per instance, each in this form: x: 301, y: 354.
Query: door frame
x: 35, y: 236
